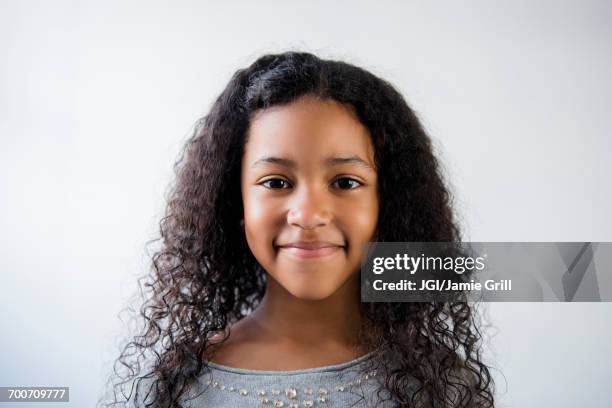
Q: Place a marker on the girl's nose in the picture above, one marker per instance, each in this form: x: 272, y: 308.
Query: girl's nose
x: 309, y: 209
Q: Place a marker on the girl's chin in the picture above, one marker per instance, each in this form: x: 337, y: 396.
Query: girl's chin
x: 311, y: 293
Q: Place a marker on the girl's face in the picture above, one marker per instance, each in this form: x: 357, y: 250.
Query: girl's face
x: 309, y: 192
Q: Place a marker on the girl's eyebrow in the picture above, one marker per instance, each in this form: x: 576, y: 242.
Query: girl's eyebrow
x: 329, y: 162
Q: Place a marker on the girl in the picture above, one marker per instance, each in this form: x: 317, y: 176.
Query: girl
x: 253, y: 298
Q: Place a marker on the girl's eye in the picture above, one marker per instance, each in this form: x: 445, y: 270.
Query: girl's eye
x: 345, y: 183
x: 275, y: 183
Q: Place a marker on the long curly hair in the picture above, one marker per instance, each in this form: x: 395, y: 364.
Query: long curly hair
x: 204, y: 277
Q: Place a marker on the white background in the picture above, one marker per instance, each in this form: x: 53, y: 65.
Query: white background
x: 96, y: 100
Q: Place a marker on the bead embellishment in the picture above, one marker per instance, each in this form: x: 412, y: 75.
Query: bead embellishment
x: 306, y: 398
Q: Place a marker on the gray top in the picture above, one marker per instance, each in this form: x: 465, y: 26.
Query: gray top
x: 334, y: 386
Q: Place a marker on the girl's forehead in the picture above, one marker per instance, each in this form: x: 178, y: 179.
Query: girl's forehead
x: 308, y: 127
x: 309, y: 112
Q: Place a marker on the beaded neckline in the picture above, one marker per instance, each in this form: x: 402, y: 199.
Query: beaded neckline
x: 334, y: 367
x: 309, y: 395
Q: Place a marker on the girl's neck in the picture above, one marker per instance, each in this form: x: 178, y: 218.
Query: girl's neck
x: 331, y: 321
x: 287, y: 333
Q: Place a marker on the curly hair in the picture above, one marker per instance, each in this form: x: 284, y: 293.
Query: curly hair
x: 204, y: 277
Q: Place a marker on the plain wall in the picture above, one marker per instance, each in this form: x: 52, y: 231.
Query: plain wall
x: 96, y: 99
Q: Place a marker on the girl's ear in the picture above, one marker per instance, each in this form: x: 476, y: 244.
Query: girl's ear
x: 242, y: 222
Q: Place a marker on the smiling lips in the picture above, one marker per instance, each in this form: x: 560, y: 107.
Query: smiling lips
x: 310, y: 249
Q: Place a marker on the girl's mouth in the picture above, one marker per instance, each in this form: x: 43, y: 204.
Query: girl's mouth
x: 310, y: 249
x: 310, y: 252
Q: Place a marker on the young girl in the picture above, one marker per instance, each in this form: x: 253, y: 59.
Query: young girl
x: 254, y: 298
